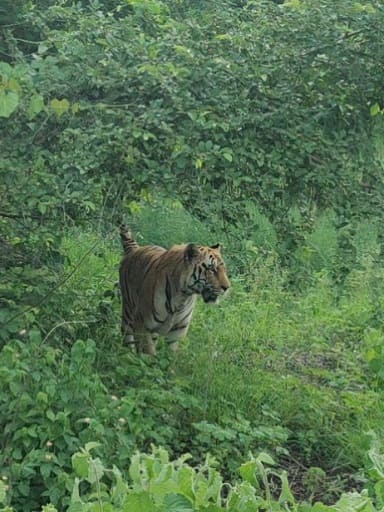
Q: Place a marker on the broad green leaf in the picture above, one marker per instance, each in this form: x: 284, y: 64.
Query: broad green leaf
x: 50, y: 415
x: 42, y: 397
x: 317, y: 507
x: 45, y: 470
x: 265, y: 458
x: 243, y: 498
x: 60, y: 107
x: 96, y: 470
x: 138, y: 502
x: 379, y: 491
x: 161, y: 488
x: 375, y: 109
x: 13, y: 85
x: 177, y: 503
x: 42, y: 48
x: 36, y: 105
x: 8, y: 102
x: 79, y: 507
x: 81, y: 464
x: 228, y: 156
x: 248, y: 472
x: 34, y: 335
x: 198, y: 163
x: 5, y: 69
x: 286, y: 493
x: 49, y: 508
x: 355, y: 502
x: 185, y: 480
x: 91, y: 446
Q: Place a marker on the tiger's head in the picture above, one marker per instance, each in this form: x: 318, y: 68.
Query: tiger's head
x: 209, y: 275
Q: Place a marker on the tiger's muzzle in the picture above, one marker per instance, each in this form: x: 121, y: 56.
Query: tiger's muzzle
x: 211, y: 295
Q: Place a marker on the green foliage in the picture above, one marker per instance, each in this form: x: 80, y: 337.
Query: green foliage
x: 292, y: 127
x: 232, y: 390
x: 318, y: 252
x: 237, y: 351
x: 161, y: 485
x: 255, y: 124
x: 157, y: 219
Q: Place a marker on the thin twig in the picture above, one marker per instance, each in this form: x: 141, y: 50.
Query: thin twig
x: 65, y: 322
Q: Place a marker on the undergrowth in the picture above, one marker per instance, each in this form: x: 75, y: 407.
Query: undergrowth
x: 294, y: 372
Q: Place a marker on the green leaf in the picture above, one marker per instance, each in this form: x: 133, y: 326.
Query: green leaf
x: 60, y: 107
x: 319, y: 507
x: 265, y: 458
x: 379, y: 491
x: 199, y: 163
x: 91, y: 446
x: 375, y: 109
x: 51, y: 415
x: 134, y: 469
x: 42, y: 397
x: 36, y: 105
x: 75, y: 496
x: 138, y: 502
x: 96, y: 471
x: 8, y: 102
x: 185, y: 481
x: 228, y: 156
x: 45, y: 470
x: 78, y: 507
x: 355, y: 502
x: 5, y: 69
x: 13, y: 85
x: 286, y: 495
x: 248, y: 472
x: 2, y: 491
x: 177, y: 503
x: 48, y: 508
x: 80, y: 463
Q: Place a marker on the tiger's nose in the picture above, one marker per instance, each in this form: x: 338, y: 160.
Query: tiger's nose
x: 224, y: 288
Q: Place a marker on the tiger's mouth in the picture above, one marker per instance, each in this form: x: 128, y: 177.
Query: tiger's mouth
x: 209, y: 296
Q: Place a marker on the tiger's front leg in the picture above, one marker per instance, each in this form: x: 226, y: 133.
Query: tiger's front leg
x: 147, y: 343
x: 128, y: 337
x: 174, y: 345
x: 175, y: 335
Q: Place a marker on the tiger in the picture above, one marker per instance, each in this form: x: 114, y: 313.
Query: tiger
x: 159, y: 289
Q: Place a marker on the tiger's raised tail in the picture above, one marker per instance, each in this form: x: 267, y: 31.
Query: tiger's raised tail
x: 126, y: 239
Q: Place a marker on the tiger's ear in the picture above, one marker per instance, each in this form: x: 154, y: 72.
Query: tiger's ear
x: 216, y: 246
x: 191, y: 253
